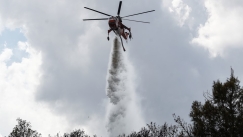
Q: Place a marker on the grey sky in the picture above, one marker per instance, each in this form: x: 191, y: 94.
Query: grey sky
x: 70, y: 77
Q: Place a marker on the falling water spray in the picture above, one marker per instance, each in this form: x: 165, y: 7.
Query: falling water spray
x: 123, y: 112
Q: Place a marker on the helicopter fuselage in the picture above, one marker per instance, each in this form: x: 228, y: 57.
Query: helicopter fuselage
x: 114, y: 24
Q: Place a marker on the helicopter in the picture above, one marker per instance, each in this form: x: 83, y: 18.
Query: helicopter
x: 115, y: 23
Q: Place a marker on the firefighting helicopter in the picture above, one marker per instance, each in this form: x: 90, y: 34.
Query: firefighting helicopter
x: 115, y: 23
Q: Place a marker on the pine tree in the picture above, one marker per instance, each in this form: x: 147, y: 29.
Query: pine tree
x: 222, y: 113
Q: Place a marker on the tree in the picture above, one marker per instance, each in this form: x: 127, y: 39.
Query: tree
x: 23, y: 129
x: 153, y: 130
x: 222, y: 113
x: 77, y: 133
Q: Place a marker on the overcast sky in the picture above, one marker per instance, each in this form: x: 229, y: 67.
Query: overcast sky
x: 53, y: 65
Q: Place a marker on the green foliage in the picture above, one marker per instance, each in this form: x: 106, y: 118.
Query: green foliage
x: 23, y: 129
x: 76, y: 133
x: 222, y: 113
x: 153, y: 130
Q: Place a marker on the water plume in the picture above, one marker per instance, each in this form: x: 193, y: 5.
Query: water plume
x: 123, y: 111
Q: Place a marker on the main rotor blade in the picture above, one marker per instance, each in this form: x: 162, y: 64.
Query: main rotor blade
x: 97, y: 11
x: 96, y: 19
x: 136, y: 21
x: 138, y: 13
x: 119, y: 8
